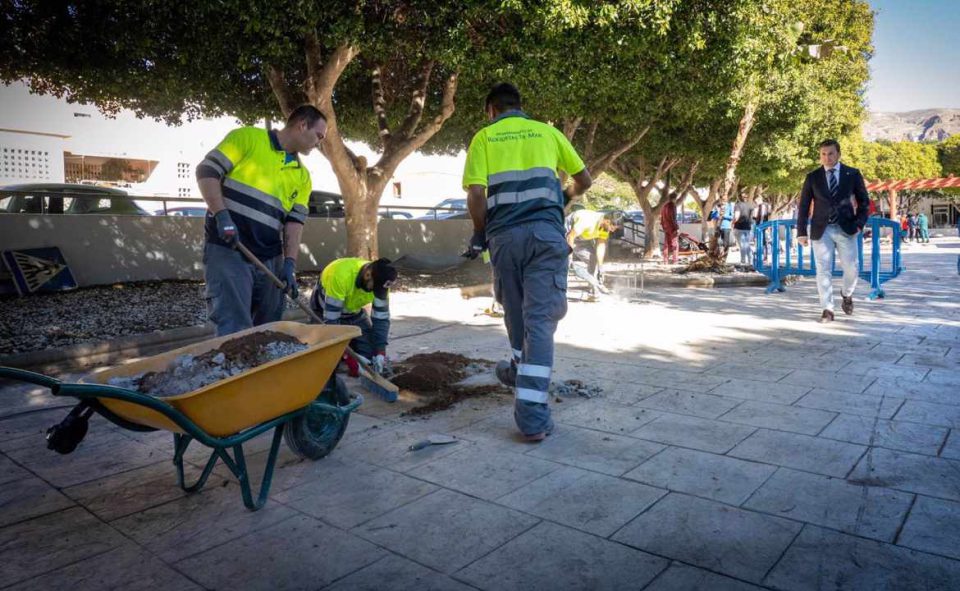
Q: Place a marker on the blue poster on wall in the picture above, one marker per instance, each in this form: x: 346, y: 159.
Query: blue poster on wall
x: 38, y: 270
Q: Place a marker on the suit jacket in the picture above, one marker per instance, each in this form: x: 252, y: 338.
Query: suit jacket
x: 852, y: 203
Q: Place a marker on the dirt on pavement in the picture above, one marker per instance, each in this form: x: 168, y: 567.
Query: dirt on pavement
x: 435, y: 380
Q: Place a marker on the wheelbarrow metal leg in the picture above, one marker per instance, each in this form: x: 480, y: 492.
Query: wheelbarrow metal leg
x: 238, y: 466
x: 180, y: 444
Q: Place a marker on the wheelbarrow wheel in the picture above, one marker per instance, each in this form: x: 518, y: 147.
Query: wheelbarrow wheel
x: 316, y: 433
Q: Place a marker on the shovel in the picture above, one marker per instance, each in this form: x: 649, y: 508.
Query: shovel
x: 380, y: 384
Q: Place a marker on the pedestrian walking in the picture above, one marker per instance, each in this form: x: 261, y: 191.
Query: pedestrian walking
x: 257, y: 191
x: 516, y: 202
x: 671, y: 230
x: 832, y: 189
x: 726, y: 223
x: 912, y: 226
x: 743, y: 229
x: 923, y: 230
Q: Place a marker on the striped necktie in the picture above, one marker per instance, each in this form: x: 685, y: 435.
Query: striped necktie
x: 832, y: 184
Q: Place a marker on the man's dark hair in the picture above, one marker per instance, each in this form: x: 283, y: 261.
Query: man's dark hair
x: 307, y: 113
x: 503, y: 97
x: 384, y: 273
x: 830, y: 142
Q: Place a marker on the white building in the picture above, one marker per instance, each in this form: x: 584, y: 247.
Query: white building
x: 45, y: 139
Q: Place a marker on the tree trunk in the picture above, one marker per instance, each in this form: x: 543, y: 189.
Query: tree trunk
x: 360, y: 185
x: 892, y: 201
x: 736, y: 150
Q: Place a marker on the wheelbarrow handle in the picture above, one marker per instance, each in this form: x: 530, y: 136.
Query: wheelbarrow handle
x: 22, y: 375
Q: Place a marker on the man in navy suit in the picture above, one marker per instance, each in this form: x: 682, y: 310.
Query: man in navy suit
x: 840, y: 207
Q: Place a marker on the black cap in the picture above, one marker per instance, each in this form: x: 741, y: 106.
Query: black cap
x: 383, y: 274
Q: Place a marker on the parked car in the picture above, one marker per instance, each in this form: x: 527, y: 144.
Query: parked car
x: 688, y: 217
x: 634, y: 215
x: 324, y: 204
x: 445, y: 210
x: 57, y: 198
x: 191, y: 212
x: 396, y: 215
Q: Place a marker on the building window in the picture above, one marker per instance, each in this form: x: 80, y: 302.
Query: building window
x: 397, y: 190
x: 25, y: 165
x: 183, y: 192
x: 183, y: 170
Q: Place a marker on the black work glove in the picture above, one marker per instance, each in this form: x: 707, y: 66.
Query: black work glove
x: 226, y: 229
x: 478, y: 244
x: 290, y: 276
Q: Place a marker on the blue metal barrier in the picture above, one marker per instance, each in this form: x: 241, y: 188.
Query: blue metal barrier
x: 788, y: 257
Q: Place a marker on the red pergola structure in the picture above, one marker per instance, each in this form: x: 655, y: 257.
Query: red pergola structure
x: 892, y: 186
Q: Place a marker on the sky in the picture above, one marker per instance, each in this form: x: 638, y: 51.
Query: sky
x: 916, y: 64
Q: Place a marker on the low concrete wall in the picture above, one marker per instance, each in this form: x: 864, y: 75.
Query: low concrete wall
x: 110, y: 249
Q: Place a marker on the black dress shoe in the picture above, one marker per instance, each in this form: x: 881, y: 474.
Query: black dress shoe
x: 826, y: 317
x: 847, y: 305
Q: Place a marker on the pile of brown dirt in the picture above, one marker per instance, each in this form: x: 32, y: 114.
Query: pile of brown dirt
x: 433, y: 379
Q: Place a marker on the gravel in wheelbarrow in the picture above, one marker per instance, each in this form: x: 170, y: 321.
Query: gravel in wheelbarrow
x: 192, y: 372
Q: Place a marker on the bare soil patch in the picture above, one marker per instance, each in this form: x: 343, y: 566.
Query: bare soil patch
x: 437, y: 380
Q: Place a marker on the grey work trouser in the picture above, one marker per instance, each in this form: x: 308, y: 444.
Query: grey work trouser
x: 586, y: 263
x: 530, y: 281
x: 362, y: 345
x: 238, y: 294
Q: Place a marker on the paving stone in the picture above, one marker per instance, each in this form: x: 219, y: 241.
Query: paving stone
x: 854, y: 404
x: 31, y: 428
x: 625, y: 392
x: 825, y: 559
x: 302, y: 553
x: 587, y: 501
x: 930, y: 413
x: 99, y: 455
x: 681, y: 577
x: 36, y: 546
x: 951, y: 449
x: 594, y: 450
x: 703, y: 474
x: 391, y: 449
x: 933, y: 526
x: 880, y: 369
x: 499, y: 430
x: 778, y: 416
x: 690, y: 403
x: 842, y: 381
x: 694, y: 382
x: 703, y: 434
x: 900, y: 435
x: 811, y: 454
x: 761, y: 391
x: 609, y: 417
x: 23, y: 499
x: 397, y: 574
x: 178, y: 529
x: 129, y: 568
x: 936, y: 477
x: 372, y: 492
x: 944, y: 377
x: 748, y: 371
x: 482, y: 472
x: 121, y: 494
x: 445, y: 530
x: 9, y: 471
x: 832, y: 502
x: 915, y: 391
x: 712, y: 535
x: 929, y: 361
x: 554, y: 557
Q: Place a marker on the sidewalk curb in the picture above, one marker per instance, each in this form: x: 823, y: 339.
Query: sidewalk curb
x: 114, y: 351
x: 757, y: 280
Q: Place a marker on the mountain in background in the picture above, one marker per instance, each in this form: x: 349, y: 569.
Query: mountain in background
x: 933, y: 125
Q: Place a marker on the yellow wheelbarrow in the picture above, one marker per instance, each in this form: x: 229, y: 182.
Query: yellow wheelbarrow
x: 281, y: 395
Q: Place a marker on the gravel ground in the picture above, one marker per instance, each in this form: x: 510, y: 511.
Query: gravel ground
x: 95, y: 314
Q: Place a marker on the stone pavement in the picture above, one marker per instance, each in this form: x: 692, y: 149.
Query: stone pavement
x: 737, y: 445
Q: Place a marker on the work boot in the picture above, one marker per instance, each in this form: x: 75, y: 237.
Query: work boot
x: 826, y: 317
x: 538, y: 437
x: 507, y: 373
x: 847, y: 305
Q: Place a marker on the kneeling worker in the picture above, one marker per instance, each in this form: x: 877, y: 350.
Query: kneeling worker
x: 345, y: 287
x: 587, y: 235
